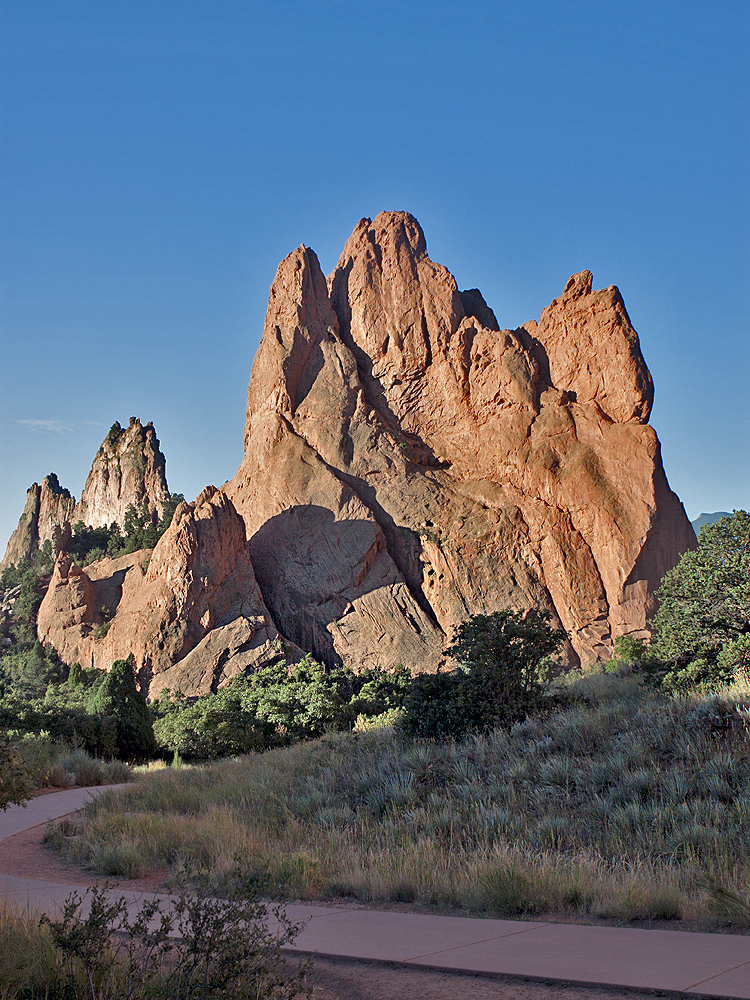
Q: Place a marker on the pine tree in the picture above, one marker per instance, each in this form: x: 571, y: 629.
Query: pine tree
x: 118, y: 697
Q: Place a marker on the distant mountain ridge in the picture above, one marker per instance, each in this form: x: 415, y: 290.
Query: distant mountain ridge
x: 702, y: 519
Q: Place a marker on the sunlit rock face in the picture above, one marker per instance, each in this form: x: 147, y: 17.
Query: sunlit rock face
x: 129, y: 469
x: 189, y: 611
x: 407, y: 463
x: 48, y: 507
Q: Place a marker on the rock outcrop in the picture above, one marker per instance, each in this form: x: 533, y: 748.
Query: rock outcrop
x: 129, y: 468
x: 48, y: 507
x: 190, y: 611
x: 407, y: 463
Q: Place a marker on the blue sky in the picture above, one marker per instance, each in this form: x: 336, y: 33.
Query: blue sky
x: 159, y: 159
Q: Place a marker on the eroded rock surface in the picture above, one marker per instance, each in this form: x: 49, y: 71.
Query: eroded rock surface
x: 407, y: 463
x: 48, y: 507
x: 129, y: 469
x: 190, y: 611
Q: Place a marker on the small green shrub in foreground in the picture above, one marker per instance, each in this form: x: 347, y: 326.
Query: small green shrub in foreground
x: 188, y: 946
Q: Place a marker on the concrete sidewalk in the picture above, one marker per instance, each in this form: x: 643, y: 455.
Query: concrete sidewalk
x: 708, y: 965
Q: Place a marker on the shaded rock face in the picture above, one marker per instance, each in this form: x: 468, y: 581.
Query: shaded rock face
x: 129, y: 468
x: 190, y: 611
x: 48, y: 507
x: 408, y: 464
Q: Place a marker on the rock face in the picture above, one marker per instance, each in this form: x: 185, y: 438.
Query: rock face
x: 48, y: 507
x: 407, y: 463
x: 129, y: 468
x: 190, y: 611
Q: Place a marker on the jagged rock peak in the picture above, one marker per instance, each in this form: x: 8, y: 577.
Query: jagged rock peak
x: 192, y: 614
x: 129, y: 468
x: 48, y: 506
x: 408, y: 463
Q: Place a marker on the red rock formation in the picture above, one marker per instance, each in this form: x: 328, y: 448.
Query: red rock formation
x: 129, y: 468
x: 194, y: 604
x: 408, y: 464
x: 48, y: 507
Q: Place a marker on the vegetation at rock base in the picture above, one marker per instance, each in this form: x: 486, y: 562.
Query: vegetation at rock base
x: 140, y: 530
x: 505, y: 668
x: 275, y: 706
x: 117, y: 697
x: 620, y: 805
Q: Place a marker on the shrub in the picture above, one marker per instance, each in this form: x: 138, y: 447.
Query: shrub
x: 16, y: 776
x: 505, y: 670
x: 199, y: 947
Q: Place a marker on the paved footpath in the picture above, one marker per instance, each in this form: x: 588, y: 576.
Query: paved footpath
x: 695, y: 965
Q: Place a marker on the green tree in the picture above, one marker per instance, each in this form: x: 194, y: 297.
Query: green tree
x: 16, y: 779
x: 505, y: 669
x: 118, y: 697
x: 704, y: 609
x: 170, y: 506
x: 214, y: 726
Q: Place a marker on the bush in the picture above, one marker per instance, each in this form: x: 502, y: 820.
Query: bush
x: 211, y: 727
x: 16, y: 776
x: 200, y: 947
x: 505, y: 670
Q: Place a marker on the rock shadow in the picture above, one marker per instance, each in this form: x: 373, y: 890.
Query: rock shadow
x: 310, y: 568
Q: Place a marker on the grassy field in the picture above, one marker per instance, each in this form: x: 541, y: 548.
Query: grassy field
x: 625, y: 805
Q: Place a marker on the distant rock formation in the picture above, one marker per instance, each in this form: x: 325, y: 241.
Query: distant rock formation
x: 192, y: 602
x: 129, y: 468
x: 48, y: 507
x: 408, y: 464
x: 702, y: 519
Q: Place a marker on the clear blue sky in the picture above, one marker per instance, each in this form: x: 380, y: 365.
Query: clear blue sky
x: 160, y: 158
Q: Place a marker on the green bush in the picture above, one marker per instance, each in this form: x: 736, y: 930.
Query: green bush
x: 505, y: 670
x: 16, y: 775
x: 198, y: 947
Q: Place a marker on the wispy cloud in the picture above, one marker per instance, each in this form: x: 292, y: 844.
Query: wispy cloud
x: 46, y: 426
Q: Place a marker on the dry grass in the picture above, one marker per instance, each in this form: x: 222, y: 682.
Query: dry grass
x: 626, y: 805
x: 29, y: 961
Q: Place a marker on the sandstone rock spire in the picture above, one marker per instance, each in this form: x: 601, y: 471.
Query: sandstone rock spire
x: 129, y: 468
x: 192, y: 614
x: 408, y: 463
x: 48, y: 507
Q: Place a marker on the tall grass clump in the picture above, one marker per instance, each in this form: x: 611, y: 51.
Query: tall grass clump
x: 625, y: 804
